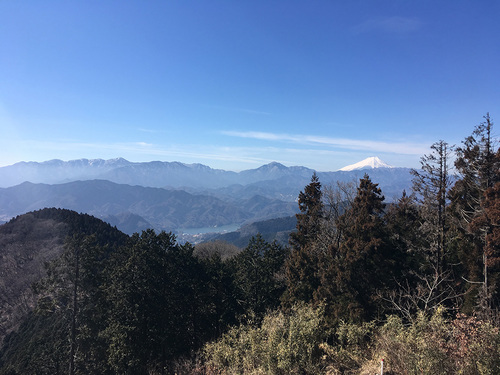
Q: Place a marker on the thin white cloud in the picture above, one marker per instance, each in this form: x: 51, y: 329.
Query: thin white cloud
x: 319, y: 155
x: 143, y: 144
x: 388, y: 25
x: 344, y: 143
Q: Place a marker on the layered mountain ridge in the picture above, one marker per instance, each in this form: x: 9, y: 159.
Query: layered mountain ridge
x: 173, y: 196
x: 154, y: 173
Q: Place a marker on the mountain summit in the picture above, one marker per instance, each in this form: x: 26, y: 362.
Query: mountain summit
x: 368, y: 163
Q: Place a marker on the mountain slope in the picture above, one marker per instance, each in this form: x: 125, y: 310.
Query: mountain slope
x: 162, y: 209
x: 273, y: 180
x: 277, y: 229
x: 171, y: 174
x: 26, y: 243
x: 368, y: 163
x: 57, y: 171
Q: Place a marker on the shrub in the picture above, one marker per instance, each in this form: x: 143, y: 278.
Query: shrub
x: 283, y: 344
x: 435, y: 345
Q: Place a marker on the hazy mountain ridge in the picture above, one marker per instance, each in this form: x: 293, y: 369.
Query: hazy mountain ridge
x: 159, y: 208
x: 158, y: 173
x: 171, y: 195
x: 169, y: 174
x: 152, y: 174
x: 57, y: 171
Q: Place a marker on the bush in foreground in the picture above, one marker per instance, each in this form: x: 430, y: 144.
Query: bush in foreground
x: 300, y: 343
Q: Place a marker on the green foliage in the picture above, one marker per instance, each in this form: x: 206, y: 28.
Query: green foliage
x: 157, y: 304
x: 311, y: 212
x: 220, y: 305
x: 403, y: 220
x: 365, y: 261
x: 70, y: 292
x: 40, y: 346
x: 259, y: 276
x: 478, y: 163
x: 135, y: 308
x: 301, y: 268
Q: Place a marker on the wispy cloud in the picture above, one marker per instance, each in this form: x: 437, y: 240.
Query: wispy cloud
x: 389, y: 25
x: 344, y: 143
x: 320, y: 153
x: 152, y: 131
x: 143, y: 144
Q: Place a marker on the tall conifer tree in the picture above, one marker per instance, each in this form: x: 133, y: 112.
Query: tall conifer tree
x: 364, y: 262
x: 302, y: 265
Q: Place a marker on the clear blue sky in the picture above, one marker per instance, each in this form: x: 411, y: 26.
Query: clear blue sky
x: 237, y: 84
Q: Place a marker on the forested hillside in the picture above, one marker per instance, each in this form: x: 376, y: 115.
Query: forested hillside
x: 27, y: 242
x: 271, y: 230
x: 416, y: 283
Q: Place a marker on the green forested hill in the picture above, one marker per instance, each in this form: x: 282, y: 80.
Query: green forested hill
x: 271, y: 230
x: 27, y: 242
x: 103, y: 302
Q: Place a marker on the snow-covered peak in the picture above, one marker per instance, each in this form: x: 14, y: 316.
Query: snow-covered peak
x: 368, y: 163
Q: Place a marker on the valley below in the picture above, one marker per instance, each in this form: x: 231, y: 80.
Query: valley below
x: 191, y: 200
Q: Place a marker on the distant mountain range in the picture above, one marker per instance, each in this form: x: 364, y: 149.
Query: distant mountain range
x: 161, y: 174
x: 174, y: 196
x: 151, y: 174
x: 133, y: 208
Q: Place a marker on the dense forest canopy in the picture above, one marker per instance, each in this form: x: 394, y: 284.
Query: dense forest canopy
x: 416, y: 282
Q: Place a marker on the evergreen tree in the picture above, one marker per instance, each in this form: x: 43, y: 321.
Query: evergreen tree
x: 72, y: 292
x: 62, y: 333
x: 309, y: 218
x: 417, y: 288
x: 220, y: 309
x: 403, y: 222
x: 364, y: 263
x: 139, y: 328
x: 259, y: 276
x: 338, y: 216
x: 159, y: 296
x: 302, y: 265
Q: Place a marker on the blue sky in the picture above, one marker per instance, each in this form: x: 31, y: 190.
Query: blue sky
x: 237, y: 84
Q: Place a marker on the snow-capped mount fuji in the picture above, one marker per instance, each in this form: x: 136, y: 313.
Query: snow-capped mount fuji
x: 368, y: 163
